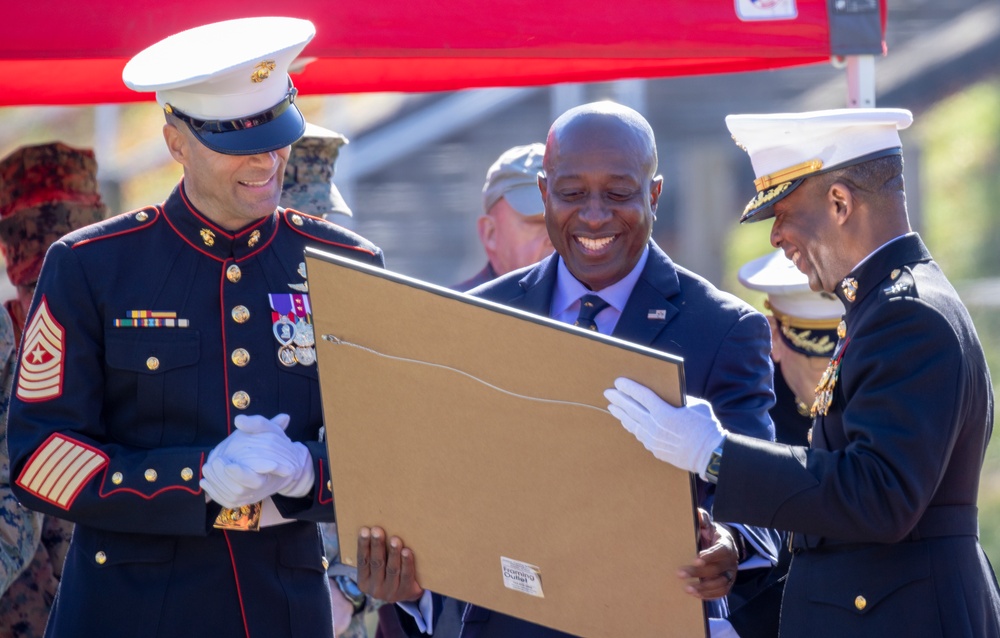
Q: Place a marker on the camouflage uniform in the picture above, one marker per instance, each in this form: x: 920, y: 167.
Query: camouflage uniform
x: 358, y: 627
x: 20, y: 528
x: 46, y: 191
x: 308, y: 187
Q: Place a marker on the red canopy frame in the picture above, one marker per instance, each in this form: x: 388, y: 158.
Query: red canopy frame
x: 72, y: 52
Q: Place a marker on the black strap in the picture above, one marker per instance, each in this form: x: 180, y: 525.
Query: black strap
x: 947, y: 520
x: 937, y: 522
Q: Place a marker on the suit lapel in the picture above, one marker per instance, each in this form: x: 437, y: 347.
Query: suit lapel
x: 537, y: 287
x: 648, y: 312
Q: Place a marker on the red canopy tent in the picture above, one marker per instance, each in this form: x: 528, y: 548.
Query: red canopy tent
x: 72, y: 52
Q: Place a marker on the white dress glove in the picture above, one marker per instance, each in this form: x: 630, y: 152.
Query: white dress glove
x: 256, y: 461
x: 684, y: 437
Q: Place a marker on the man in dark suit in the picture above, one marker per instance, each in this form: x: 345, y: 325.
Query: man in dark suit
x: 600, y: 191
x: 882, y: 506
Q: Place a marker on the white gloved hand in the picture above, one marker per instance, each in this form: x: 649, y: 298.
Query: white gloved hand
x: 684, y: 437
x: 299, y: 475
x: 256, y: 461
x: 231, y: 484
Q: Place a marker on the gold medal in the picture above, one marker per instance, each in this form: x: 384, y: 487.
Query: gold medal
x: 824, y: 390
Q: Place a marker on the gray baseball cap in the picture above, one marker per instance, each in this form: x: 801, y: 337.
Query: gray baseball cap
x: 514, y: 176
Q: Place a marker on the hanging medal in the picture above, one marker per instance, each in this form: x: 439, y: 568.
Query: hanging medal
x: 304, y: 338
x: 824, y: 390
x: 283, y: 328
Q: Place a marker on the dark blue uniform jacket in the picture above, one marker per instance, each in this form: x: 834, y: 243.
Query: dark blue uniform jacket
x: 110, y: 424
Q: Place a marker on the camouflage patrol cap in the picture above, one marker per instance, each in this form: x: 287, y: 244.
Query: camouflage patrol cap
x: 46, y: 191
x: 308, y: 185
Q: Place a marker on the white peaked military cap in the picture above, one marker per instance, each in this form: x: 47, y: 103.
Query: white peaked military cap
x: 807, y: 320
x: 786, y: 148
x: 228, y: 81
x: 787, y: 290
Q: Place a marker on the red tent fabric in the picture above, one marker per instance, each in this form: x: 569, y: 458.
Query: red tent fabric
x: 73, y: 51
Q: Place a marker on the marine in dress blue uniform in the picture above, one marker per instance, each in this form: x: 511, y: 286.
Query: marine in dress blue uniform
x: 149, y: 335
x: 882, y: 506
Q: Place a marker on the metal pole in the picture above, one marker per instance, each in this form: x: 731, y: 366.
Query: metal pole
x: 861, y: 81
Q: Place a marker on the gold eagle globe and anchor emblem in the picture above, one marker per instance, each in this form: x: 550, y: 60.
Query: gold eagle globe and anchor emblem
x: 850, y: 288
x: 262, y: 71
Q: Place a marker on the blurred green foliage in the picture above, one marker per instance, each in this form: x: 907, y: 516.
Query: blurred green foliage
x: 960, y: 189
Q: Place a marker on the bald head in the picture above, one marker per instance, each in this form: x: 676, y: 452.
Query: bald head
x: 600, y: 191
x: 607, y: 119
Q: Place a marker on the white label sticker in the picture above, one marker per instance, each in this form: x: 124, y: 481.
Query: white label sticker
x: 766, y: 9
x: 521, y: 577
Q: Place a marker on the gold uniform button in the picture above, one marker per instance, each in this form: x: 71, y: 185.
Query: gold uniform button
x: 297, y: 220
x: 241, y: 357
x: 233, y: 273
x: 117, y: 478
x: 152, y: 363
x: 329, y: 486
x: 860, y: 603
x: 187, y: 474
x: 241, y: 400
x: 141, y: 216
x: 326, y: 563
x: 101, y: 558
x: 150, y: 475
x: 241, y: 314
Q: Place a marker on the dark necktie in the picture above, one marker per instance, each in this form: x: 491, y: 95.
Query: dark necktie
x: 590, y: 305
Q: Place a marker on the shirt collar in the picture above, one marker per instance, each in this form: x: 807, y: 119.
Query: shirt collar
x: 569, y: 289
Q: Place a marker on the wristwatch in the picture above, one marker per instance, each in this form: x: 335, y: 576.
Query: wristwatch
x: 351, y: 592
x: 714, y: 463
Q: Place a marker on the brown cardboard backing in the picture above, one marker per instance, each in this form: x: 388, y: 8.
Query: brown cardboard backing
x: 466, y: 473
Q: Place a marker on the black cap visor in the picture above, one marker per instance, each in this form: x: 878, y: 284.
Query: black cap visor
x: 759, y: 207
x: 263, y: 132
